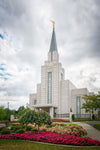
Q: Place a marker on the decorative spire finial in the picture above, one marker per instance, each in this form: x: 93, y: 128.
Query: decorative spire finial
x: 53, y: 45
x: 53, y: 22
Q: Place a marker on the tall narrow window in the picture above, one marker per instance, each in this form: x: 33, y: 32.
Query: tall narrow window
x: 35, y: 102
x: 78, y: 105
x: 61, y: 76
x: 49, y: 87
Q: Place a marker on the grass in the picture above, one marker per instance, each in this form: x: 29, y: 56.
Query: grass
x: 97, y: 126
x: 27, y: 145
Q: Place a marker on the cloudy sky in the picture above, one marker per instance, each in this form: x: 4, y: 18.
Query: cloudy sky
x: 25, y: 34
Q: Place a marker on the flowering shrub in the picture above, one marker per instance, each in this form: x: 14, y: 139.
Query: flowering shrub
x: 55, y: 138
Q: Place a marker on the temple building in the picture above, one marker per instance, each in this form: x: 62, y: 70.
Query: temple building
x: 55, y: 94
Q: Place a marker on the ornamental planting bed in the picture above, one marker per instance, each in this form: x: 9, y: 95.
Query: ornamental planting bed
x: 55, y: 138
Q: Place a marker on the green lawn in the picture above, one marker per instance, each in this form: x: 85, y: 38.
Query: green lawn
x: 97, y: 126
x: 28, y: 145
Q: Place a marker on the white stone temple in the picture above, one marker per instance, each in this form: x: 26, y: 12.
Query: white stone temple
x: 55, y: 94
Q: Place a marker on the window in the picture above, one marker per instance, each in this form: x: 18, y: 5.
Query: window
x: 35, y: 102
x: 78, y: 105
x: 49, y: 87
x: 61, y: 76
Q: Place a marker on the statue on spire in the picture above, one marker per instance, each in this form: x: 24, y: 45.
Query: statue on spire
x: 53, y: 22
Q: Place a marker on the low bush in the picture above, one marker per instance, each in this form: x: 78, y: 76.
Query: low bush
x: 43, y: 130
x: 28, y: 128
x: 49, y: 126
x: 67, y: 120
x: 17, y: 127
x: 5, y: 131
x: 34, y: 130
x: 20, y: 131
x: 1, y: 128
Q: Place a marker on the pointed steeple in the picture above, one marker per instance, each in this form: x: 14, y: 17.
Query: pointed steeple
x: 53, y: 45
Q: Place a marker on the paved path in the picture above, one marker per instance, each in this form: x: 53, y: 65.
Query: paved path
x: 92, y: 132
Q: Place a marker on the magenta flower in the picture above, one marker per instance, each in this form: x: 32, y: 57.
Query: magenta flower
x: 51, y: 137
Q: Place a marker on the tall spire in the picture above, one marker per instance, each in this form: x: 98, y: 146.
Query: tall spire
x: 53, y: 45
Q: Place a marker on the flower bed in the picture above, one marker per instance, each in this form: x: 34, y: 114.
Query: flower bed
x: 59, y: 120
x: 55, y: 138
x: 71, y: 129
x: 8, y: 121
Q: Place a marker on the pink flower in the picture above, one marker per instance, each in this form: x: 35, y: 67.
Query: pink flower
x: 51, y: 137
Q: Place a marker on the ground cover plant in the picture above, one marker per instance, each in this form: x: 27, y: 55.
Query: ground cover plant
x: 27, y: 145
x: 51, y: 137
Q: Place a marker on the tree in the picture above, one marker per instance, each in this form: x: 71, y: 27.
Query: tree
x: 21, y: 110
x: 2, y: 113
x: 8, y: 113
x: 92, y: 103
x: 40, y: 117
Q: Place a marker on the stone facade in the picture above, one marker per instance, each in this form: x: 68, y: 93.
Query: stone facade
x: 55, y: 94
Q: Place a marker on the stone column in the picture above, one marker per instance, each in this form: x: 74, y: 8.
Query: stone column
x: 12, y: 118
x: 51, y: 112
x: 70, y: 116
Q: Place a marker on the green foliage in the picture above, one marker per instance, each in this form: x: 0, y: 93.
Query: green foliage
x: 67, y: 120
x: 93, y: 117
x: 34, y: 130
x: 92, y: 102
x: 43, y: 130
x: 28, y: 128
x: 49, y: 126
x: 9, y: 113
x: 28, y: 117
x: 2, y: 113
x: 43, y: 118
x: 1, y: 128
x: 73, y: 117
x: 5, y: 131
x: 39, y: 118
x: 15, y: 127
x: 21, y: 110
x: 20, y: 131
